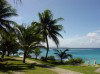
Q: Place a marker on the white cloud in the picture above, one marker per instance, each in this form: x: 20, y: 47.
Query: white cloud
x: 90, y: 40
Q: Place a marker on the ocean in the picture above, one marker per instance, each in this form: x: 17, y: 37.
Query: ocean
x: 86, y: 54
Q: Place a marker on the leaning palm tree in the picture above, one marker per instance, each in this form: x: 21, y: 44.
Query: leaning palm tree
x: 49, y: 28
x: 6, y: 12
x: 62, y: 54
x: 27, y: 40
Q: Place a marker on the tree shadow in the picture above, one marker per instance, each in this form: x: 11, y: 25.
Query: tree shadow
x: 14, y: 65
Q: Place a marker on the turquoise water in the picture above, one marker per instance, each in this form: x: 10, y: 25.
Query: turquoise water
x: 86, y: 54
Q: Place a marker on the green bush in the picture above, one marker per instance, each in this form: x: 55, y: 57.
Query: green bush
x: 52, y: 58
x: 42, y: 58
x: 75, y: 61
x: 28, y: 56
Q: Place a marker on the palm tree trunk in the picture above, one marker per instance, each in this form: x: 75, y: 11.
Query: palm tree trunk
x: 61, y: 60
x: 24, y: 56
x: 47, y: 49
x: 36, y: 57
x: 8, y: 53
x: 3, y: 53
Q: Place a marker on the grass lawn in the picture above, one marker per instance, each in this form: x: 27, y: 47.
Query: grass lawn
x: 9, y: 66
x: 81, y: 69
x: 28, y: 69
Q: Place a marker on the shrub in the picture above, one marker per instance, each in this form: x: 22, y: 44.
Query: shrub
x: 42, y: 58
x: 28, y: 56
x: 52, y: 58
x: 75, y: 61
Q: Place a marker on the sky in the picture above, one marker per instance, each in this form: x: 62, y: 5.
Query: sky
x: 81, y: 19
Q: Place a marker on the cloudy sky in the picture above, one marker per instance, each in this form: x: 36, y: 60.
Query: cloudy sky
x: 81, y: 19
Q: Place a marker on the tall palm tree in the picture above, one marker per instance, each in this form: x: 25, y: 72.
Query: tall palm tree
x: 6, y: 12
x: 27, y: 39
x: 49, y: 28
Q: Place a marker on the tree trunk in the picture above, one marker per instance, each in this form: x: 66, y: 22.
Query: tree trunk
x: 61, y: 60
x: 36, y: 57
x: 8, y: 53
x: 24, y: 57
x: 3, y: 53
x: 47, y: 49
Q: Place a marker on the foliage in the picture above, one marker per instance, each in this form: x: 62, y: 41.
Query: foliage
x: 52, y: 58
x: 48, y: 27
x: 6, y: 11
x: 42, y: 58
x: 8, y: 43
x: 75, y: 61
x: 62, y: 54
x: 27, y: 39
x: 37, y: 52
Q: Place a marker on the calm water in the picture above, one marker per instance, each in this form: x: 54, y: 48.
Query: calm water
x: 89, y: 54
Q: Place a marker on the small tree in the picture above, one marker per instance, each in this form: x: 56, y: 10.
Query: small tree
x: 8, y: 43
x: 62, y: 54
x: 37, y: 52
x: 28, y: 39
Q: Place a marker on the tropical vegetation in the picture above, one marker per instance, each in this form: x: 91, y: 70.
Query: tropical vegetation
x: 62, y: 54
x: 49, y: 28
x: 31, y: 39
x: 6, y: 12
x: 27, y: 39
x: 37, y: 52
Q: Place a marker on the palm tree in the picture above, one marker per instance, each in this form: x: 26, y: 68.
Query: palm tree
x: 49, y: 28
x: 7, y: 43
x: 62, y: 54
x: 12, y: 48
x: 37, y: 52
x: 27, y: 40
x: 6, y: 11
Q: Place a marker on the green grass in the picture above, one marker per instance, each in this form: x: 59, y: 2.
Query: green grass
x: 11, y: 65
x: 50, y: 63
x: 42, y: 62
x: 37, y: 70
x: 81, y: 69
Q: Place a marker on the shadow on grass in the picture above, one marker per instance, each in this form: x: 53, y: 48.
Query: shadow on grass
x: 14, y: 65
x: 9, y: 65
x: 48, y: 63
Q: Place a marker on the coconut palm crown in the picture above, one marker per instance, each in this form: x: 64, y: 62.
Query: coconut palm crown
x: 27, y: 39
x: 6, y: 12
x: 49, y: 27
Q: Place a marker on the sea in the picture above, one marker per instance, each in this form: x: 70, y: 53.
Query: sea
x: 87, y: 54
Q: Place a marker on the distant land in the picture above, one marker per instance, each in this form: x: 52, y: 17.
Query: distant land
x: 71, y: 48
